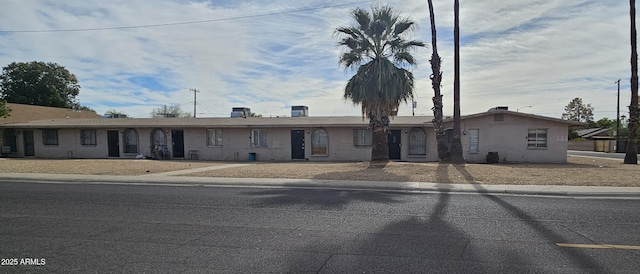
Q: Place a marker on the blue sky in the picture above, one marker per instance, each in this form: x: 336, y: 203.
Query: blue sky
x: 518, y: 53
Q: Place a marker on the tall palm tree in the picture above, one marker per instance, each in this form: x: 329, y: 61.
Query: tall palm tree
x: 436, y: 79
x: 456, y: 146
x: 631, y: 157
x: 377, y: 46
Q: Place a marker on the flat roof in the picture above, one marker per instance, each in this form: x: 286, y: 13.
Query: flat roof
x: 264, y: 122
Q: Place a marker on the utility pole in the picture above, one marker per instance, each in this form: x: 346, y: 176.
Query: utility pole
x: 194, y: 100
x: 618, y: 119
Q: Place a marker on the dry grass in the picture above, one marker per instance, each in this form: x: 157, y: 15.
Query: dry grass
x: 96, y: 167
x: 578, y: 171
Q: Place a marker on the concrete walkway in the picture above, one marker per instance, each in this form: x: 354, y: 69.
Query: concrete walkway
x: 164, y: 179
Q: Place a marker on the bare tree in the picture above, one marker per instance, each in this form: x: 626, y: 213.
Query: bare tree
x: 172, y: 111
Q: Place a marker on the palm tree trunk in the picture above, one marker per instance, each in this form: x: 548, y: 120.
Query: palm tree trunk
x: 456, y: 146
x: 631, y: 157
x: 436, y: 79
x: 379, y: 140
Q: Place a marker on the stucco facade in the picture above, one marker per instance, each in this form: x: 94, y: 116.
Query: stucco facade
x: 508, y: 136
x: 290, y: 138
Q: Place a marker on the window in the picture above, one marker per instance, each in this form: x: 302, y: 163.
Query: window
x: 361, y: 137
x: 537, y: 138
x: 50, y: 137
x: 259, y: 137
x: 319, y: 142
x: 474, y: 140
x: 10, y: 139
x: 158, y: 138
x: 88, y: 137
x: 130, y: 137
x: 417, y: 142
x: 214, y: 137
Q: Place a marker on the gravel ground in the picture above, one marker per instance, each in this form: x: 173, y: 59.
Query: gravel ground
x: 96, y: 167
x: 577, y: 171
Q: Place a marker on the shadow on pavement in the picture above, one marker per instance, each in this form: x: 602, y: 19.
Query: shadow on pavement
x: 375, y: 171
x: 579, y: 258
x: 434, y: 243
x: 319, y: 198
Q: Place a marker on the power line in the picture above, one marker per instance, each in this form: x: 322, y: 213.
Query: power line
x: 182, y: 23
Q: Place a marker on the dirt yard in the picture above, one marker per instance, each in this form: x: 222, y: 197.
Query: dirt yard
x: 577, y: 171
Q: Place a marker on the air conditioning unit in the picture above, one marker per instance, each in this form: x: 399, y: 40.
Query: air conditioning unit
x: 241, y: 112
x: 299, y: 111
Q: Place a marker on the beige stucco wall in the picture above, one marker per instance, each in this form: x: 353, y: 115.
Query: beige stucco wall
x: 236, y: 145
x: 509, y: 139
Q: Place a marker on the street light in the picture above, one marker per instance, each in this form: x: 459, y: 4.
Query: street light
x: 618, y: 119
x: 518, y: 109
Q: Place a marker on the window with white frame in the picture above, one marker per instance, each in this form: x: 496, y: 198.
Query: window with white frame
x: 50, y: 137
x: 214, y: 137
x: 130, y: 137
x: 474, y: 140
x: 362, y: 138
x: 417, y: 142
x: 88, y: 137
x: 259, y: 137
x: 537, y: 138
x: 319, y: 142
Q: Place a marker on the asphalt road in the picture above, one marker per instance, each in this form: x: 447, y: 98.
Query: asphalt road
x: 167, y: 229
x: 596, y: 154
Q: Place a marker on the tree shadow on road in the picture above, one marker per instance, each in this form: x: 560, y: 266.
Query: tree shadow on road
x: 575, y: 255
x: 319, y: 198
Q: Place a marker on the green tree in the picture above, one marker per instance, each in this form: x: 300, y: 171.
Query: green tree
x: 631, y: 157
x: 576, y: 110
x: 39, y: 83
x: 436, y: 79
x: 170, y: 111
x: 4, y: 110
x: 377, y: 46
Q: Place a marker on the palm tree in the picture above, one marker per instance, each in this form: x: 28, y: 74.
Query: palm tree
x: 436, y: 79
x: 377, y: 46
x: 631, y: 157
x: 456, y: 146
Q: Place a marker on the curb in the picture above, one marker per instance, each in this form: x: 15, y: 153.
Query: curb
x: 402, y: 187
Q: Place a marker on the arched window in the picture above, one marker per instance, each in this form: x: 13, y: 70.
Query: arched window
x: 158, y: 138
x: 130, y: 137
x: 319, y: 142
x: 417, y: 142
x: 10, y: 138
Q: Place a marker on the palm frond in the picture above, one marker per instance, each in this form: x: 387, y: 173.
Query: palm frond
x: 401, y: 27
x: 376, y: 45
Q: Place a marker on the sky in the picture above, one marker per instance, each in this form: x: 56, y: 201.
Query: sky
x: 133, y: 56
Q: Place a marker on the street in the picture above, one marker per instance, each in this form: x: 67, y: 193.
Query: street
x: 596, y: 154
x: 81, y: 228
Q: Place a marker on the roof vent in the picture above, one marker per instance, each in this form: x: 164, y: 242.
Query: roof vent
x: 299, y: 111
x: 240, y: 112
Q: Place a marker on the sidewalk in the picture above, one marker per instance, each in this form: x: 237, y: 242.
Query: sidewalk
x: 414, y: 187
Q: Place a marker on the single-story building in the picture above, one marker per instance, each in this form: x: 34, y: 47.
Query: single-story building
x: 515, y: 136
x: 21, y: 113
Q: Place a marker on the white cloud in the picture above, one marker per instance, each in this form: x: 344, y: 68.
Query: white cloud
x: 541, y: 53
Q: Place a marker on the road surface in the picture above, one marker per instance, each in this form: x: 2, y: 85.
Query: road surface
x: 75, y: 228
